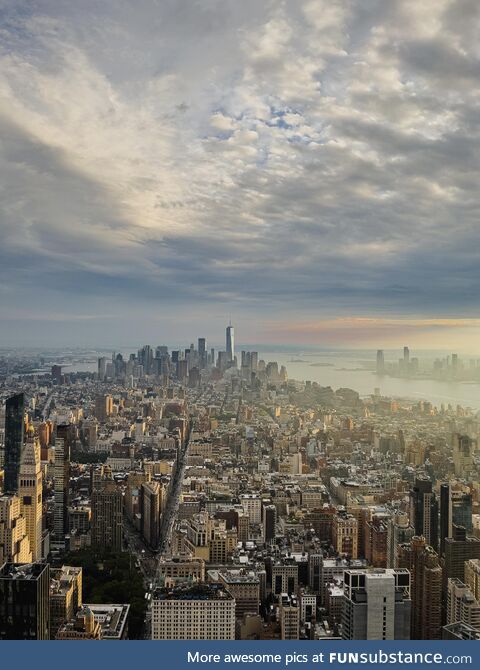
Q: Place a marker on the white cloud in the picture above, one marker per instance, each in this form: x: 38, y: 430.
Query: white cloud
x: 201, y: 150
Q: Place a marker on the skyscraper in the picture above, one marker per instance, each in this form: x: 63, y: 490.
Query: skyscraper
x: 202, y: 352
x: 376, y: 605
x: 399, y: 531
x: 14, y: 542
x: 14, y: 440
x: 380, y: 362
x: 30, y: 494
x: 230, y: 343
x: 61, y: 484
x: 455, y: 508
x: 25, y: 601
x: 459, y: 549
x: 107, y: 515
x: 424, y: 511
x: 463, y: 451
x: 426, y: 592
x: 269, y: 520
x: 151, y: 513
x: 103, y: 407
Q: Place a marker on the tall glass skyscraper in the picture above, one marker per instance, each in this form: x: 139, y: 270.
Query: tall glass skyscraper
x: 14, y: 440
x: 230, y: 343
x: 455, y: 508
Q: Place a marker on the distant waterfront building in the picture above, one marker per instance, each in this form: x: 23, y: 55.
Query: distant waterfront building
x: 230, y: 342
x: 202, y: 352
x: 377, y: 605
x: 56, y: 372
x: 14, y: 441
x: 102, y: 368
x: 380, y: 362
x: 199, y: 612
x: 25, y: 601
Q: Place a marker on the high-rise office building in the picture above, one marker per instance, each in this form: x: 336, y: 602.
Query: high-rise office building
x: 426, y: 591
x: 472, y: 576
x: 30, y: 494
x: 151, y: 513
x: 399, y: 531
x: 459, y: 549
x: 199, y: 612
x: 376, y: 605
x: 107, y: 515
x: 103, y: 407
x: 380, y: 362
x: 269, y: 521
x: 424, y: 511
x: 102, y: 368
x: 230, y: 342
x: 202, y: 352
x: 61, y: 485
x: 462, y: 606
x: 463, y: 452
x: 14, y: 542
x: 455, y: 508
x: 14, y: 440
x: 25, y: 601
x: 56, y: 372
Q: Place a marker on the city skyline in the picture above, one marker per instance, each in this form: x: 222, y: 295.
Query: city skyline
x: 307, y: 167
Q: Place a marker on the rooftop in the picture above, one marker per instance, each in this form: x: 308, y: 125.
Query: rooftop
x: 22, y: 571
x: 193, y: 592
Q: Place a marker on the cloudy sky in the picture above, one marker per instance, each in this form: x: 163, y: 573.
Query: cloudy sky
x: 309, y: 168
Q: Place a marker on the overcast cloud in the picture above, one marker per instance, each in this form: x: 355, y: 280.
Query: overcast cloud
x: 300, y: 166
